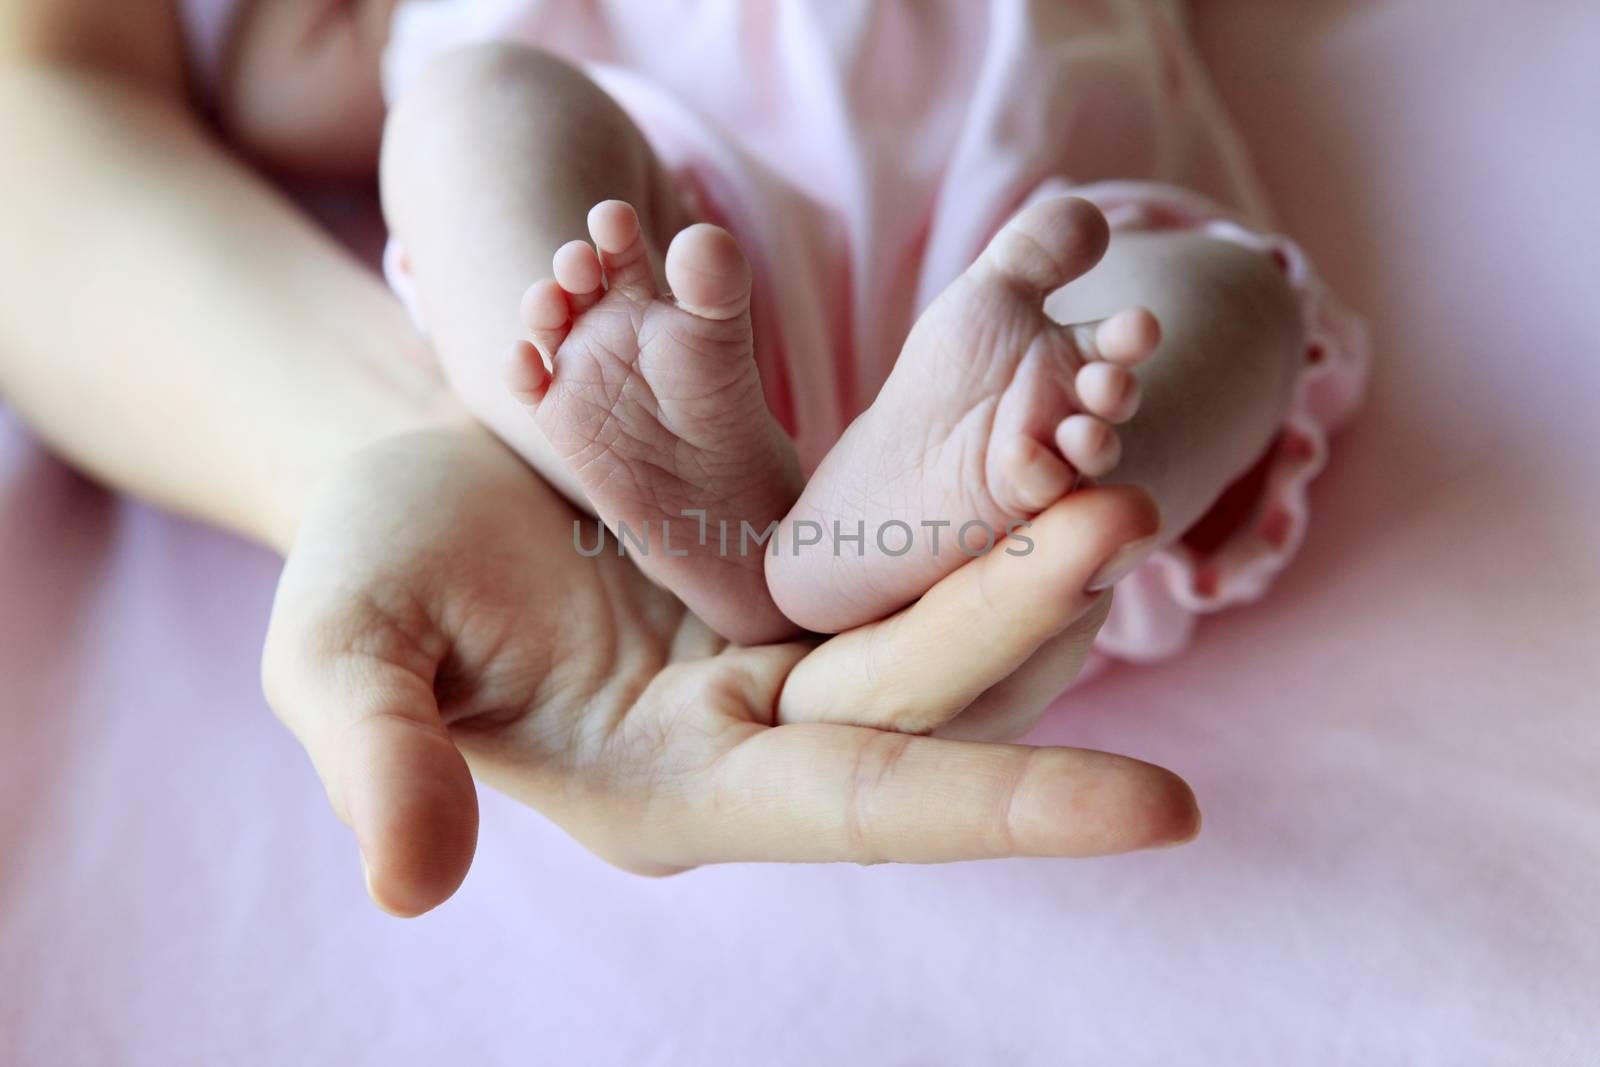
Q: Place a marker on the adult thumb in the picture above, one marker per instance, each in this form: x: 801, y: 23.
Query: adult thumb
x: 391, y: 771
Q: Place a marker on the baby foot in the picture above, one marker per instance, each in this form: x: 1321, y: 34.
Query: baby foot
x: 991, y: 414
x: 655, y: 405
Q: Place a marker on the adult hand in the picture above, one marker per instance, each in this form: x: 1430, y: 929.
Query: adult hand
x: 434, y: 622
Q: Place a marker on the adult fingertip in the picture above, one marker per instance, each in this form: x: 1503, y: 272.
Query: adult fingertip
x: 423, y: 876
x: 1174, y: 816
x: 1144, y: 514
x: 425, y: 871
x: 415, y: 814
x: 378, y: 898
x: 1084, y: 803
x: 1102, y: 514
x: 1137, y: 534
x: 1145, y: 806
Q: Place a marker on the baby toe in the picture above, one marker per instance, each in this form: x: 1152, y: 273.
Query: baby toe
x: 1126, y: 338
x: 525, y: 374
x: 1048, y: 245
x: 1032, y: 477
x: 577, y: 270
x: 1089, y: 444
x: 544, y: 307
x: 1108, y: 391
x: 546, y: 315
x: 708, y: 274
x: 614, y: 225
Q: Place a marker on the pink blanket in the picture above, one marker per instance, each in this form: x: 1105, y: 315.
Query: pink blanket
x: 1398, y: 752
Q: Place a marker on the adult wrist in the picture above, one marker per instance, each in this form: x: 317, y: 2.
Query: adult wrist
x: 403, y: 412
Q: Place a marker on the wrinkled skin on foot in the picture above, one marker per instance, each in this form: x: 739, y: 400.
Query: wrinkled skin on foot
x: 993, y: 412
x: 654, y: 404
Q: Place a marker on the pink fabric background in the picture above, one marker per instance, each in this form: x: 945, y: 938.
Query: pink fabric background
x: 1398, y: 752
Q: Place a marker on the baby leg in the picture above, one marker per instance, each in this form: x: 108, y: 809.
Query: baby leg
x: 498, y: 162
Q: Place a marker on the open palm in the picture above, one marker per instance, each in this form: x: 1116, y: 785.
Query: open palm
x: 434, y: 622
